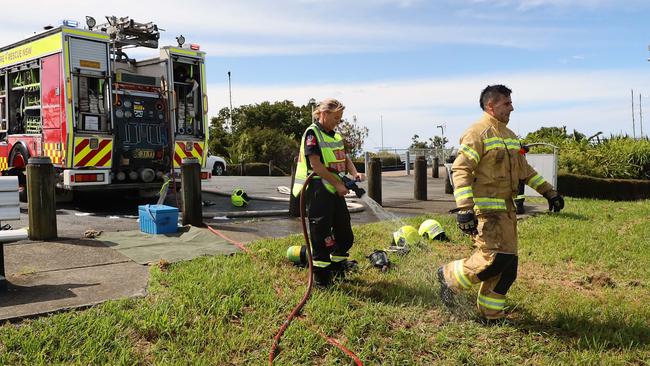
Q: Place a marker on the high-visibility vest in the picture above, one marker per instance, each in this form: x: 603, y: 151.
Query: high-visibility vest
x: 333, y: 152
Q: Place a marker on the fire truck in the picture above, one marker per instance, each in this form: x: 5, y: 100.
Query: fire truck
x: 107, y: 121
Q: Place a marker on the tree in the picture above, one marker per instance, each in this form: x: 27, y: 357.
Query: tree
x: 353, y: 136
x: 284, y: 116
x: 263, y: 144
x: 417, y: 144
x: 438, y: 142
x: 220, y: 139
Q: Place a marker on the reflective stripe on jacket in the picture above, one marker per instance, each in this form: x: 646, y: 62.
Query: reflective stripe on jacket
x: 488, y: 168
x: 333, y: 152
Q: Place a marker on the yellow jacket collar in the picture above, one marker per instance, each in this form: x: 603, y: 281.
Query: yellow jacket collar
x: 493, y: 121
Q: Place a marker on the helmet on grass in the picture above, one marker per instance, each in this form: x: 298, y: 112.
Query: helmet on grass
x: 431, y: 229
x: 406, y: 235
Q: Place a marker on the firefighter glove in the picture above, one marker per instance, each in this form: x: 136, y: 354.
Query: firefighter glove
x: 555, y: 201
x: 467, y: 222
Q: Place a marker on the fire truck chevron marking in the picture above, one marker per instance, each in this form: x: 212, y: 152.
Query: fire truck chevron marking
x: 199, y: 150
x: 100, y: 157
x: 53, y: 151
x: 180, y: 152
x: 81, y: 146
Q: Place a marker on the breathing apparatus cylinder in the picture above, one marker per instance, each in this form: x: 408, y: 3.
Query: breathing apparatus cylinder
x: 297, y: 254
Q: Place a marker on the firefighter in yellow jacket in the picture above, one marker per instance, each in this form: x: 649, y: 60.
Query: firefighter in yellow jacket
x: 486, y: 174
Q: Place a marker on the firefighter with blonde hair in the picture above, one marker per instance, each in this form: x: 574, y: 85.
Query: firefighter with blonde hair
x: 323, y: 152
x: 486, y: 175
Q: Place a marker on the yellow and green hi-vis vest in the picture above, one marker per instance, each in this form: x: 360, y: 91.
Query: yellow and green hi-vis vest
x: 333, y: 152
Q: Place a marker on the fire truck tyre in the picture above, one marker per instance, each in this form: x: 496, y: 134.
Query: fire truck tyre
x: 63, y: 195
x: 217, y: 169
x: 22, y: 187
x: 18, y: 159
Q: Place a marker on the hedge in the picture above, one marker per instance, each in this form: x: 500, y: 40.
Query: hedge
x: 255, y: 169
x: 574, y: 185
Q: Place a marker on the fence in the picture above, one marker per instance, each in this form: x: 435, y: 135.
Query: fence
x: 409, y: 155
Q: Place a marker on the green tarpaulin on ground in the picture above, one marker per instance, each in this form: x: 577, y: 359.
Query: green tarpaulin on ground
x: 190, y: 242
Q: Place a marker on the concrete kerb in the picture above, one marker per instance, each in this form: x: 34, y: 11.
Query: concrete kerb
x: 353, y: 206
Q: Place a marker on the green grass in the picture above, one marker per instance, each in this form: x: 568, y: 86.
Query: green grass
x: 581, y: 298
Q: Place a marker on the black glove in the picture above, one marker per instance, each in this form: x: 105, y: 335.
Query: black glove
x: 555, y: 201
x: 467, y: 222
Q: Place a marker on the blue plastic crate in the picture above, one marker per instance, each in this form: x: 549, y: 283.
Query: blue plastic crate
x: 158, y: 219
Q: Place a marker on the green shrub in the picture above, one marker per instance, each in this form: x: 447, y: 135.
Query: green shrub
x: 256, y: 170
x: 610, y: 189
x: 616, y: 157
x: 264, y: 144
x: 387, y: 159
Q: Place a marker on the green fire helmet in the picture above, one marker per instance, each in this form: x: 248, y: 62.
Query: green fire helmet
x: 431, y: 229
x: 239, y: 198
x: 406, y: 235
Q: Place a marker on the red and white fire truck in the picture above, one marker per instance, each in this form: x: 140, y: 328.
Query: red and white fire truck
x: 107, y: 121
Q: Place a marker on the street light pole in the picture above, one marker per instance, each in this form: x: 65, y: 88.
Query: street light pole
x: 230, y: 97
x: 442, y: 128
x: 312, y: 102
x: 381, y: 126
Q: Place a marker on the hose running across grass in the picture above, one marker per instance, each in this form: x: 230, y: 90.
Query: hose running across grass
x: 310, y: 280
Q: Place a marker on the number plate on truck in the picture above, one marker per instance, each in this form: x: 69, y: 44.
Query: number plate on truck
x: 143, y: 154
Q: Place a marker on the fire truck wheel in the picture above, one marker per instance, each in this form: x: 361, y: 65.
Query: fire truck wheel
x: 18, y: 159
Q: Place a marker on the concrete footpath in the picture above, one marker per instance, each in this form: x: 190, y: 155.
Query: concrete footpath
x: 77, y: 272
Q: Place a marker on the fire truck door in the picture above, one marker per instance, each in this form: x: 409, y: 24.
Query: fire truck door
x: 52, y: 100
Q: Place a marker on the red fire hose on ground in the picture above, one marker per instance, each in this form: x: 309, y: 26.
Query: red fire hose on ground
x: 310, y: 279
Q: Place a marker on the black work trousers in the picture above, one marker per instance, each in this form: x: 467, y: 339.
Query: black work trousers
x: 329, y: 224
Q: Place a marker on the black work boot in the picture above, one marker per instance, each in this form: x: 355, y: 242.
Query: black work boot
x: 340, y: 268
x: 322, y: 277
x: 446, y: 293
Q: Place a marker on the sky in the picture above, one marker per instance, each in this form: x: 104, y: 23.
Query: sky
x: 404, y: 67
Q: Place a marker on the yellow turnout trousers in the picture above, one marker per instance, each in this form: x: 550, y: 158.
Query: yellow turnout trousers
x: 493, y: 262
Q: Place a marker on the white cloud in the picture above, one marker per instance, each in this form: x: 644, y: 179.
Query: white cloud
x: 586, y: 101
x: 257, y: 27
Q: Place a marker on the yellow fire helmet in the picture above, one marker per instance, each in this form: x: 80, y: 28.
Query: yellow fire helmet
x: 406, y: 235
x: 239, y: 198
x: 431, y: 229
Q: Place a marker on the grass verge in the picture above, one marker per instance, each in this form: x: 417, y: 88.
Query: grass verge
x: 581, y: 298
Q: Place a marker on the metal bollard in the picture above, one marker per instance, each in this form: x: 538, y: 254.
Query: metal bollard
x: 434, y: 168
x: 242, y: 169
x: 366, y: 161
x: 41, y: 198
x: 449, y: 188
x: 408, y: 163
x: 374, y: 179
x: 294, y: 202
x: 191, y: 186
x: 270, y: 168
x: 420, y: 181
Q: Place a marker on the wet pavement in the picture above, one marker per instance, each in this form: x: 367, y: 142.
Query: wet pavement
x: 74, y: 271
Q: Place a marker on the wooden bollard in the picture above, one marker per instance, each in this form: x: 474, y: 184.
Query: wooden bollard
x: 420, y: 186
x: 294, y: 202
x: 374, y: 179
x: 41, y: 199
x: 191, y: 186
x: 434, y: 168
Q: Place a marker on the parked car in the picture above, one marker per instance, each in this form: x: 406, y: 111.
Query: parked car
x: 217, y: 164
